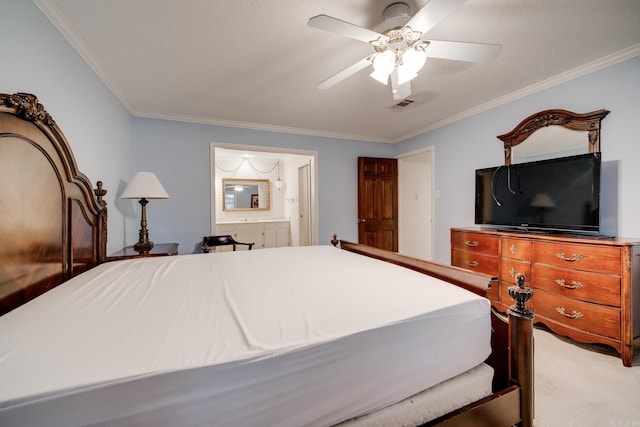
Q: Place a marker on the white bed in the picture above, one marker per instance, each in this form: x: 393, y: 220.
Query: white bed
x: 124, y: 344
x: 248, y: 345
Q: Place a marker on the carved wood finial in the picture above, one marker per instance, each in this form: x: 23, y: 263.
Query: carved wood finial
x: 100, y: 193
x: 520, y: 294
x: 28, y: 108
x: 335, y: 240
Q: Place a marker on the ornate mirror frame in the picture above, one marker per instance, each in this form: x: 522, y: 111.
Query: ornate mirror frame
x: 588, y: 122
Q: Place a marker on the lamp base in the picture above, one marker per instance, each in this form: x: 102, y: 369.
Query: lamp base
x: 143, y: 246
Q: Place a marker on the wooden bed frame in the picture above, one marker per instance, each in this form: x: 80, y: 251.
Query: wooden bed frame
x: 511, y: 342
x: 53, y: 226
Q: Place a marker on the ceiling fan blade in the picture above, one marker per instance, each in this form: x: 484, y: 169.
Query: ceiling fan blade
x: 335, y: 25
x: 432, y: 13
x: 462, y: 51
x: 399, y: 91
x: 347, y: 72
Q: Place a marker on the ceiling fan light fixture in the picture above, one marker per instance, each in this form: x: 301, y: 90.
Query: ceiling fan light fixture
x: 383, y: 62
x: 383, y: 65
x: 396, y: 36
x: 381, y: 77
x: 401, y: 51
x: 413, y: 60
x: 409, y: 36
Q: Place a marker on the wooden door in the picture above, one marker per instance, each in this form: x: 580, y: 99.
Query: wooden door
x: 378, y: 202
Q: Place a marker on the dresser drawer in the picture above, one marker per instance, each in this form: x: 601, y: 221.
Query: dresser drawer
x: 474, y: 261
x: 579, y: 257
x: 579, y: 285
x: 597, y: 278
x: 474, y: 242
x: 584, y: 316
x: 517, y: 249
x: 510, y: 267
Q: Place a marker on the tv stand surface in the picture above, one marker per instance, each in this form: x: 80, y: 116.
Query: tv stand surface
x: 584, y: 285
x: 573, y: 234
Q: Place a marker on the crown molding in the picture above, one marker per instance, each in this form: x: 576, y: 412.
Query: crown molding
x: 567, y: 76
x: 54, y: 15
x: 257, y: 126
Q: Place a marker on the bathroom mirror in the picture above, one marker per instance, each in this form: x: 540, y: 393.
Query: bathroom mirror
x: 246, y: 194
x: 553, y: 133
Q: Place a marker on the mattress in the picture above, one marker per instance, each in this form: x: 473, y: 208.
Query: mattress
x: 434, y: 402
x: 287, y: 336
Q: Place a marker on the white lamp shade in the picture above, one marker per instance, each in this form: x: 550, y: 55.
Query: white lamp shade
x: 383, y: 64
x: 414, y: 60
x: 380, y: 76
x: 144, y: 185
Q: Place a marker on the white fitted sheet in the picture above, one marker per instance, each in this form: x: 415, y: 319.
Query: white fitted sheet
x: 287, y: 336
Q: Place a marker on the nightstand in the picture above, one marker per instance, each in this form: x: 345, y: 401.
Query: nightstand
x: 159, y: 249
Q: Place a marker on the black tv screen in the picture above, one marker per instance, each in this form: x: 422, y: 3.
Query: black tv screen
x: 556, y: 194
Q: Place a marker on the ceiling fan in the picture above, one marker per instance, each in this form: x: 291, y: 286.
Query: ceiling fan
x: 401, y: 48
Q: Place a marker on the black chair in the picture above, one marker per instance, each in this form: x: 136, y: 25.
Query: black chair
x: 224, y: 240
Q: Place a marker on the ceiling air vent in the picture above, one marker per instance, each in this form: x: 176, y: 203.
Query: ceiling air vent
x: 402, y: 104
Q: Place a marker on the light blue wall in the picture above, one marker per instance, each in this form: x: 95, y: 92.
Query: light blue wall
x: 37, y: 59
x: 110, y: 145
x: 179, y: 155
x: 462, y: 147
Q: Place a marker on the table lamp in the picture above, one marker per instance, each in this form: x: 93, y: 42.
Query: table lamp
x: 144, y: 186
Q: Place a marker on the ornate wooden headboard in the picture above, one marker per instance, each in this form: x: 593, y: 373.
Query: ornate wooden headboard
x: 53, y: 224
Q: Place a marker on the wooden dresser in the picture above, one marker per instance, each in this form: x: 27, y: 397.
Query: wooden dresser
x: 585, y: 288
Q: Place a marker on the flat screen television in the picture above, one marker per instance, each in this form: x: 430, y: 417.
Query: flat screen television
x: 561, y: 194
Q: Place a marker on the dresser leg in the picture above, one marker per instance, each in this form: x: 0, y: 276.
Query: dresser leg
x: 627, y: 355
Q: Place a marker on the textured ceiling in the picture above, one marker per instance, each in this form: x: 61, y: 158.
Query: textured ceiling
x: 256, y: 63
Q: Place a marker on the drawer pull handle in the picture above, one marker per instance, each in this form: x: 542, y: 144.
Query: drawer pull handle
x: 471, y: 243
x: 512, y: 272
x: 471, y: 263
x: 574, y: 315
x: 573, y: 285
x: 513, y: 249
x: 575, y: 257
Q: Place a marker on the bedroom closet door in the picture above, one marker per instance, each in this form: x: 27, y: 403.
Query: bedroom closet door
x: 415, y: 204
x: 378, y: 202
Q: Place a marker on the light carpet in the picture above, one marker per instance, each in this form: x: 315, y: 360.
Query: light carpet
x: 583, y: 385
